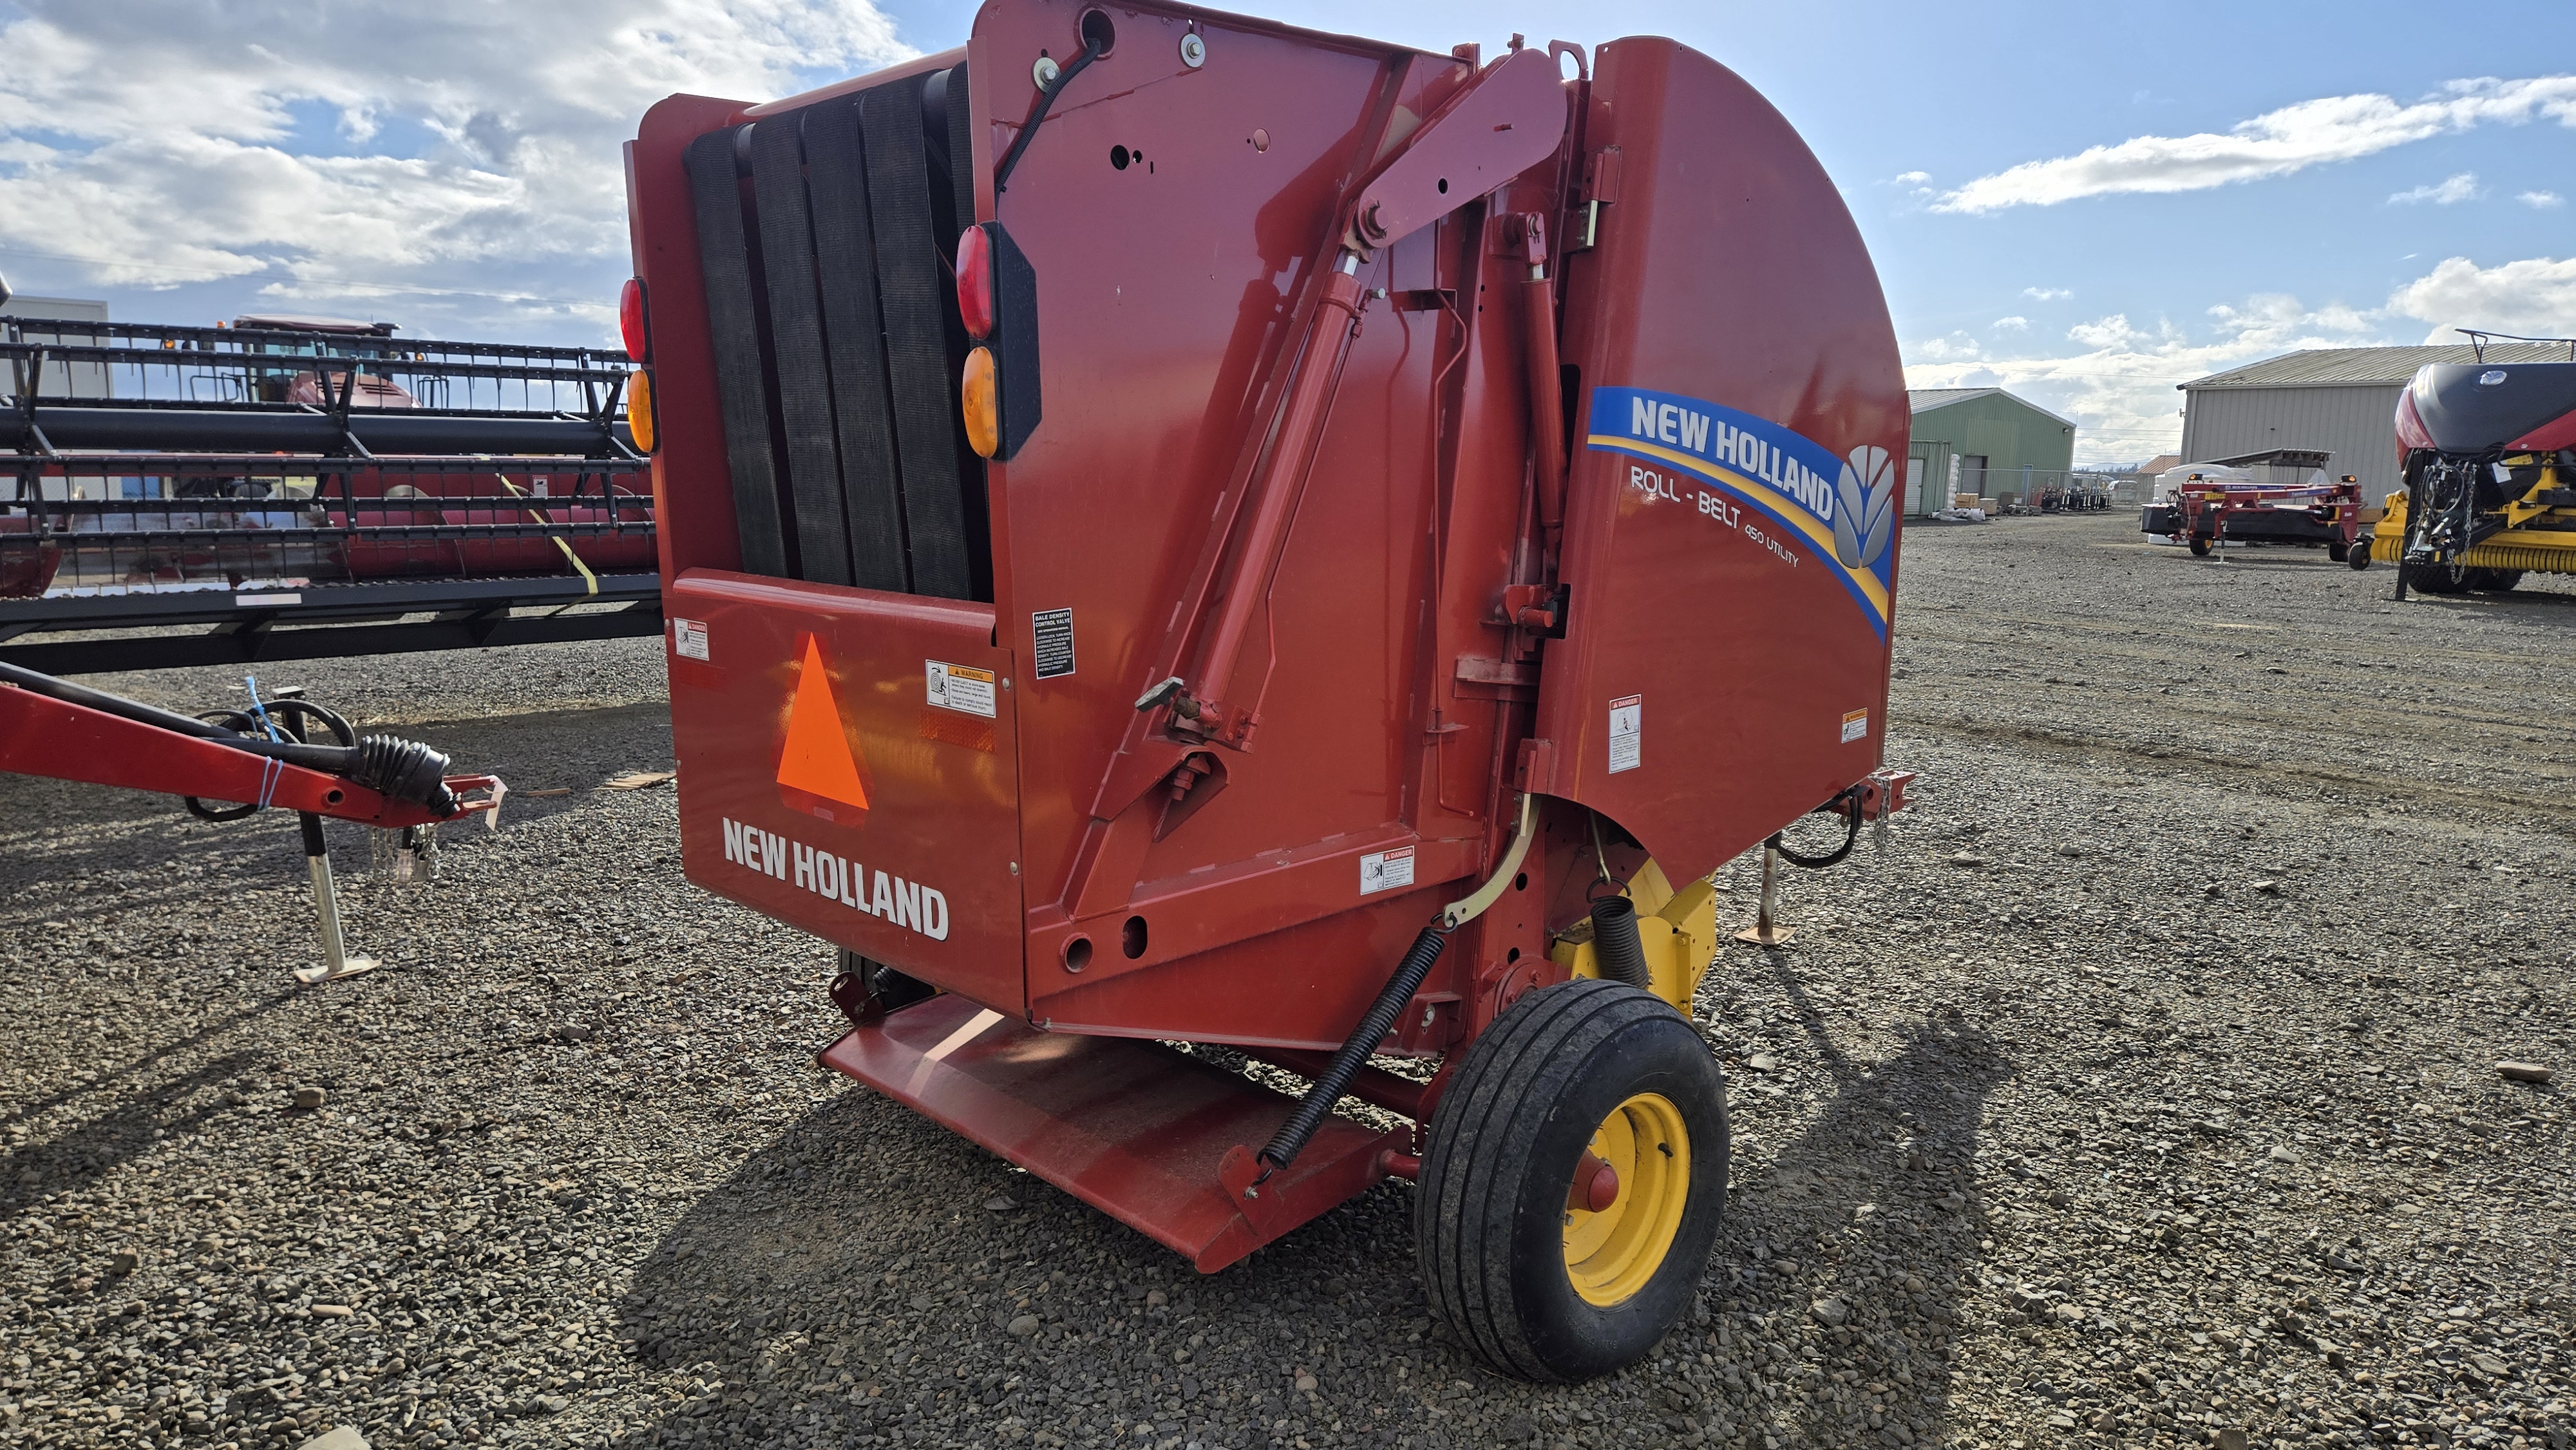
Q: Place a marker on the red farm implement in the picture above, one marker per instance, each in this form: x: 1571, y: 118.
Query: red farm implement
x: 303, y: 488
x: 1182, y: 530
x: 2211, y: 516
x: 287, y: 754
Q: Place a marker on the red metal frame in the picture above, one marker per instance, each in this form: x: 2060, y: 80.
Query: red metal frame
x: 1336, y: 503
x: 48, y: 737
x: 2337, y: 506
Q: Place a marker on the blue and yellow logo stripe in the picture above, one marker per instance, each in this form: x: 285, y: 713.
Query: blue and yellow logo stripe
x: 1781, y: 474
x: 1865, y: 587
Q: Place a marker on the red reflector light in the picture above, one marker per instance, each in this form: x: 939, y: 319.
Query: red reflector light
x: 975, y: 282
x: 630, y: 321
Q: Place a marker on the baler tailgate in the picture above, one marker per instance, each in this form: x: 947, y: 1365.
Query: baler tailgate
x: 1132, y: 1128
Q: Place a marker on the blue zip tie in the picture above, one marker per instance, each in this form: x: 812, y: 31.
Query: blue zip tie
x: 271, y: 769
x: 259, y: 711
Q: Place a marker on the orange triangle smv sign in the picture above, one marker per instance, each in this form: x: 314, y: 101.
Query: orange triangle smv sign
x: 817, y: 759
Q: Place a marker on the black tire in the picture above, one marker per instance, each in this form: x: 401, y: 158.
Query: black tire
x: 1491, y: 1220
x: 2499, y: 581
x: 2358, y: 556
x: 2337, y: 552
x: 2200, y: 546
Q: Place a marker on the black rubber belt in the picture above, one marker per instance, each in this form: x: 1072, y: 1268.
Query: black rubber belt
x: 796, y: 347
x: 911, y: 287
x: 853, y: 331
x: 733, y: 322
x: 958, y: 112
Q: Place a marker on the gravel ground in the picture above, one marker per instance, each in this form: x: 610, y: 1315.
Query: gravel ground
x: 2139, y: 1090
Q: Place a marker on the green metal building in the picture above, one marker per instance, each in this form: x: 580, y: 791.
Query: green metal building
x: 1983, y: 441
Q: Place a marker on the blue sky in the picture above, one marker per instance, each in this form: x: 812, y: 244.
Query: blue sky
x: 454, y: 168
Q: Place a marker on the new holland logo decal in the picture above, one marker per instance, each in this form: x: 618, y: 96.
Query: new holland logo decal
x: 1842, y: 509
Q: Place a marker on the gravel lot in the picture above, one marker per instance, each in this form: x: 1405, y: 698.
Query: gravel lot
x: 2140, y: 1090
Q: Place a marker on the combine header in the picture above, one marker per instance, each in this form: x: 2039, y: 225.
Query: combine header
x: 1179, y: 530
x: 2489, y: 453
x: 302, y: 485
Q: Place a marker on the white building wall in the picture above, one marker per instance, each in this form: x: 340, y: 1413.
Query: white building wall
x: 2357, y: 422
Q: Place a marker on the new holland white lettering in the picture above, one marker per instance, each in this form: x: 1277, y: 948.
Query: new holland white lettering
x: 1667, y: 423
x: 908, y: 904
x: 1695, y: 432
x: 1641, y: 417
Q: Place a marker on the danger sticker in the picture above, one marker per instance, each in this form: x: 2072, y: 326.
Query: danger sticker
x: 967, y: 690
x: 1855, y: 725
x: 1386, y: 870
x: 689, y: 638
x: 1627, y: 733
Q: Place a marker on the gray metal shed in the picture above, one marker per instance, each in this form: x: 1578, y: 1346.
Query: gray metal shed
x: 2342, y: 400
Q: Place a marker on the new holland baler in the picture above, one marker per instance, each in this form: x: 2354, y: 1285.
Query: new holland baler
x: 2488, y: 451
x: 1180, y: 531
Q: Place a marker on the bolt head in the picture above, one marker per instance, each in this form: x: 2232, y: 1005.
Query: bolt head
x: 1043, y: 73
x: 1193, y: 50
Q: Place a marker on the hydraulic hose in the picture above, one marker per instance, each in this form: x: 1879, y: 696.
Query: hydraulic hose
x: 1092, y: 48
x: 1851, y: 837
x: 1291, y: 1138
x: 405, y: 770
x: 1615, y: 943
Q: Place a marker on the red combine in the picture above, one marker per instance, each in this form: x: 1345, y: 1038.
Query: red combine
x: 1182, y: 531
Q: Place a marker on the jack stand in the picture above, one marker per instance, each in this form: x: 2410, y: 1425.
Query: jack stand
x: 1766, y: 930
x: 336, y: 962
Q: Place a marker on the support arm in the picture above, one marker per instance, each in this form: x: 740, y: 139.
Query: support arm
x: 1507, y: 120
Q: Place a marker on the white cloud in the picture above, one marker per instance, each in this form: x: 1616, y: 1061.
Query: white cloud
x: 2448, y: 192
x: 464, y: 150
x: 2541, y: 200
x: 2048, y: 294
x: 1955, y: 348
x: 2119, y: 384
x: 2535, y: 296
x: 2012, y: 324
x: 1911, y: 178
x: 2276, y: 143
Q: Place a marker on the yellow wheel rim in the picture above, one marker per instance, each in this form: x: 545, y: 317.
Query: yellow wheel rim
x: 1610, y: 1255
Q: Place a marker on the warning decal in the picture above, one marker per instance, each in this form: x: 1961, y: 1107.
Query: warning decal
x: 818, y: 764
x: 961, y: 688
x: 689, y: 638
x: 1386, y: 870
x: 1855, y: 726
x: 1627, y: 733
